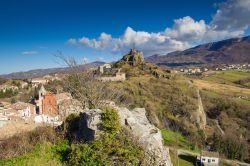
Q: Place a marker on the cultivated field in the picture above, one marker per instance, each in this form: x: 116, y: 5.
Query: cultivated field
x: 221, y: 88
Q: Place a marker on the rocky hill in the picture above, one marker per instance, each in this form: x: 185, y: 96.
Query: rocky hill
x: 236, y: 50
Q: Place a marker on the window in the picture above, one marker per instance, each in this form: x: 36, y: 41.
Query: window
x: 203, y: 159
x: 209, y: 160
x: 213, y: 160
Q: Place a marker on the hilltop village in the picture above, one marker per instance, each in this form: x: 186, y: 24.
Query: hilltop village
x: 47, y: 107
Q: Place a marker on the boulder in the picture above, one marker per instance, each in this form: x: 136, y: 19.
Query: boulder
x: 90, y: 124
x: 148, y: 135
x: 137, y: 122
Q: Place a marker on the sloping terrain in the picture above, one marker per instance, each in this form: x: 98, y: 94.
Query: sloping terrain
x: 234, y: 50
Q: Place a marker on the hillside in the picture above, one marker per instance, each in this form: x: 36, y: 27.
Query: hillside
x: 172, y: 102
x: 43, y: 72
x: 229, y: 51
x: 191, y: 113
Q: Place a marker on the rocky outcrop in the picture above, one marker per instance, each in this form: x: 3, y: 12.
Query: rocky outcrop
x: 199, y: 115
x: 136, y: 121
x: 90, y: 124
x: 148, y: 135
x: 134, y: 57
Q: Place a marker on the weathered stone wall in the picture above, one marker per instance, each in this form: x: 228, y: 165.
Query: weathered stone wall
x: 50, y: 104
x: 118, y: 77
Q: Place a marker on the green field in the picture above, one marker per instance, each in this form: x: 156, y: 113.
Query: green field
x: 227, y: 77
x: 172, y: 138
x: 42, y: 154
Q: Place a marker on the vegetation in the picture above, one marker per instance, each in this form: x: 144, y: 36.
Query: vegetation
x: 231, y: 147
x: 45, y: 146
x: 172, y: 138
x: 25, y: 142
x: 114, y: 147
x: 230, y: 77
x: 164, y: 99
x: 2, y: 80
x: 233, y: 116
x: 8, y: 93
x: 42, y: 154
x: 182, y: 160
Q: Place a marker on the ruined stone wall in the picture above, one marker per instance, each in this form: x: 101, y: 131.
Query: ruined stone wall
x: 50, y: 104
x: 118, y: 77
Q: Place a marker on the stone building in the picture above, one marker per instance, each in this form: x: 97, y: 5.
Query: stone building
x: 47, y: 103
x: 104, y: 68
x: 107, y: 73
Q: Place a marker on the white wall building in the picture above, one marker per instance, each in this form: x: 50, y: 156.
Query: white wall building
x: 208, y: 158
x: 54, y: 120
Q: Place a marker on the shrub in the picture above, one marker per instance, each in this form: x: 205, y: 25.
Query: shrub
x: 114, y: 147
x: 25, y: 142
x: 110, y: 120
x: 119, y: 149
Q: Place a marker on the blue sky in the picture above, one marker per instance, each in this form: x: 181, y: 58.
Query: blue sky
x: 31, y: 32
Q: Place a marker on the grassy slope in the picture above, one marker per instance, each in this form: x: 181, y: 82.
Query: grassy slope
x: 163, y: 98
x: 228, y: 77
x: 221, y: 88
x: 172, y: 138
x: 42, y: 154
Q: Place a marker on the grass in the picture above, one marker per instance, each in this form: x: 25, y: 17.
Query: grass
x: 210, y: 93
x: 186, y: 160
x: 176, y: 139
x: 183, y: 160
x: 221, y: 88
x: 42, y: 154
x: 228, y: 77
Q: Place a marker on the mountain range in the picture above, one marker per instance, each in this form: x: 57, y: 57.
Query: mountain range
x: 235, y: 50
x: 42, y: 72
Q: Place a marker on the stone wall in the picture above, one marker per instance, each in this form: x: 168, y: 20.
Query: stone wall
x: 117, y: 77
x: 50, y: 104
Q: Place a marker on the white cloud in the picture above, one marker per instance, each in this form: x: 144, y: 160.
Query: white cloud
x: 231, y: 20
x: 197, y: 32
x: 187, y: 29
x: 29, y: 52
x: 232, y: 15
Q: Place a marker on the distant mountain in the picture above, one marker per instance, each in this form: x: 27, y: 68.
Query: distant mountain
x: 43, y: 72
x: 236, y: 50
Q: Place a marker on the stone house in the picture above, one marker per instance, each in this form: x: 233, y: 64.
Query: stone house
x: 23, y: 110
x: 103, y: 68
x: 107, y: 73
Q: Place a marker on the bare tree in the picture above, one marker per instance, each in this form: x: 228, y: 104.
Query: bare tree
x: 84, y: 86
